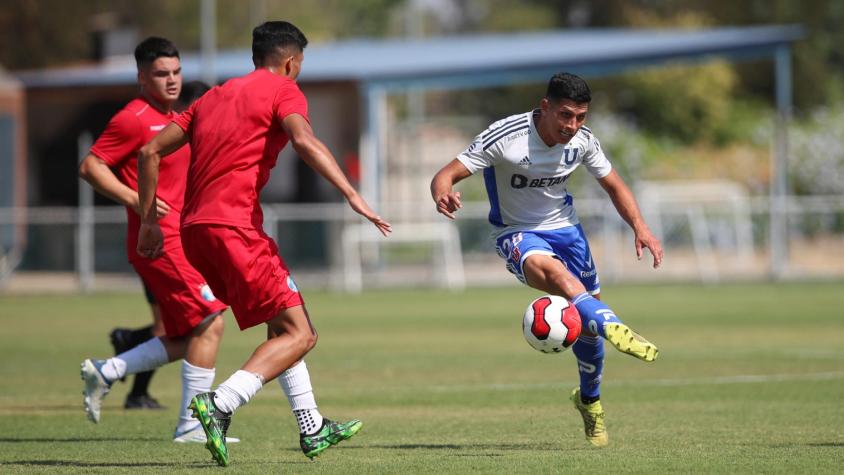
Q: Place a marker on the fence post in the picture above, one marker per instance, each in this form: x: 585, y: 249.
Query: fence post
x: 779, y: 257
x: 85, y: 224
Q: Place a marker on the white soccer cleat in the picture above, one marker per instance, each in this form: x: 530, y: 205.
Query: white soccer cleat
x: 96, y: 388
x: 196, y: 435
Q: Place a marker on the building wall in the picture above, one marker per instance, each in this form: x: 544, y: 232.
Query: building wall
x: 58, y: 116
x: 12, y: 161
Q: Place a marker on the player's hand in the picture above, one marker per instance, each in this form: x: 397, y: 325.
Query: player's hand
x: 644, y: 239
x: 359, y: 205
x: 161, y: 208
x: 150, y: 241
x: 448, y: 204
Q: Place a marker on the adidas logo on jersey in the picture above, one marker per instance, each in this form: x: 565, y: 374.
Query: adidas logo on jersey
x: 525, y: 162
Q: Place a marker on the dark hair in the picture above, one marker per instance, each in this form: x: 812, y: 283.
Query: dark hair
x: 568, y: 86
x: 192, y: 91
x: 270, y: 37
x: 153, y: 48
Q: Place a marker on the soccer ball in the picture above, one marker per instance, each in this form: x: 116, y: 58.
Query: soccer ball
x: 551, y: 324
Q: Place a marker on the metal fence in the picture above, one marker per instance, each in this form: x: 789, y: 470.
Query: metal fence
x: 327, y: 245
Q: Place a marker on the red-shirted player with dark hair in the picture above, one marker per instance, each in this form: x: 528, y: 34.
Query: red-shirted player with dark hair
x: 189, y: 310
x: 236, y: 132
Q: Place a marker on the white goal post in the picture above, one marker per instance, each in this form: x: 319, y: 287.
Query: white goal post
x: 448, y: 262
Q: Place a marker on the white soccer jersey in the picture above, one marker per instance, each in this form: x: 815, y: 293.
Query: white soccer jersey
x: 525, y: 178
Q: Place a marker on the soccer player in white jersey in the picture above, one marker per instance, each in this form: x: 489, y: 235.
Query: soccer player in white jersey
x: 526, y: 160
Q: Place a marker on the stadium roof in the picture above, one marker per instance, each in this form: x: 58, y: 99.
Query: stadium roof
x: 468, y: 60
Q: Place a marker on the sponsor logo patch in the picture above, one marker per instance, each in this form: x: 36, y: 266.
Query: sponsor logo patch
x: 520, y: 181
x: 525, y: 162
x: 206, y: 293
x: 291, y: 285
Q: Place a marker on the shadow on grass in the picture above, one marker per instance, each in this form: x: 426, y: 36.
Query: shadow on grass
x: 17, y: 409
x: 78, y: 464
x: 808, y: 444
x: 23, y: 440
x: 74, y: 463
x: 457, y: 447
x: 479, y: 446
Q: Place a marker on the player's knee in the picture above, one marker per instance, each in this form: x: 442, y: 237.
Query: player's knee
x: 306, y: 340
x: 565, y: 282
x: 217, y: 326
x: 310, y: 340
x: 211, y: 329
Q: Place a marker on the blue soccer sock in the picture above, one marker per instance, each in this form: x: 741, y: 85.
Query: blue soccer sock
x: 589, y: 351
x: 594, y: 314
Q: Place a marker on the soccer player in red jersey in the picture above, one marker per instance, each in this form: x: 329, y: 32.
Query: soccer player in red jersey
x: 236, y: 132
x: 189, y: 310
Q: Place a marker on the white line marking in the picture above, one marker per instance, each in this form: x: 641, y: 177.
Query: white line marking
x: 736, y: 379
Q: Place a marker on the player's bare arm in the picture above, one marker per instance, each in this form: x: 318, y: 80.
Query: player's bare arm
x: 624, y: 202
x: 318, y: 157
x: 442, y: 188
x: 150, y: 239
x: 99, y: 175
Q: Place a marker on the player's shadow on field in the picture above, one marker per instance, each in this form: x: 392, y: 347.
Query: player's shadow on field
x: 21, y: 440
x: 810, y: 444
x: 74, y: 463
x: 462, y: 447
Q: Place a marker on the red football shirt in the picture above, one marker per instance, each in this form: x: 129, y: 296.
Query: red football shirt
x: 236, y: 136
x: 135, y: 125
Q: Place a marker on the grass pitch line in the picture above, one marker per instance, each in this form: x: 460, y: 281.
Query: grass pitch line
x: 742, y: 379
x: 735, y: 379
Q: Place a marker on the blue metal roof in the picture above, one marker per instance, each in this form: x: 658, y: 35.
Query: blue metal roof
x: 468, y: 60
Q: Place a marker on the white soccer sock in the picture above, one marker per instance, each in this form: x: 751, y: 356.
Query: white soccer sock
x: 195, y: 380
x: 237, y: 390
x: 147, y: 356
x: 296, y: 384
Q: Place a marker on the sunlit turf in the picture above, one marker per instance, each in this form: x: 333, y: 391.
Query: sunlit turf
x: 750, y: 379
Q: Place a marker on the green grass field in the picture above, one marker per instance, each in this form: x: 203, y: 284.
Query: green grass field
x: 750, y: 379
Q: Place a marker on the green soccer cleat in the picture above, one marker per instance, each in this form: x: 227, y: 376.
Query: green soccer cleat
x: 331, y: 433
x: 593, y: 420
x: 215, y: 423
x: 196, y: 435
x: 627, y: 341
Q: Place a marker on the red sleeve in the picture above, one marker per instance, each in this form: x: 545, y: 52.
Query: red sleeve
x: 120, y: 140
x: 185, y: 119
x: 290, y: 100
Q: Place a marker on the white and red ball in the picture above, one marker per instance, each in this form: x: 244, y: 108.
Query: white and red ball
x: 551, y: 324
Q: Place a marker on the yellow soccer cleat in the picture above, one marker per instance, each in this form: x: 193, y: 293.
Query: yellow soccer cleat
x: 630, y: 342
x: 593, y: 420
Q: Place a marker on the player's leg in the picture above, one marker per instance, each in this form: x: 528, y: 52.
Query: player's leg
x: 549, y: 274
x: 124, y: 339
x: 191, y: 316
x: 525, y: 253
x: 198, y: 371
x: 138, y: 397
x: 99, y: 375
x: 589, y: 351
x: 290, y: 337
x: 316, y: 433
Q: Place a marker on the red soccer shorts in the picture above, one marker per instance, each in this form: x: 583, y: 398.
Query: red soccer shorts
x: 243, y: 267
x: 180, y: 291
